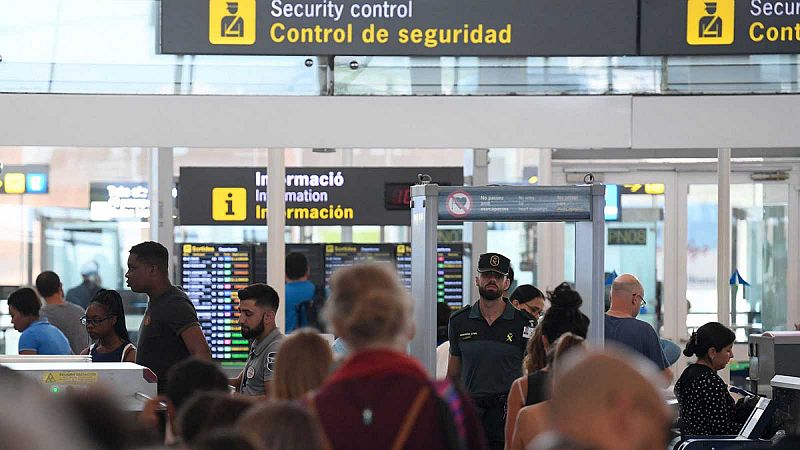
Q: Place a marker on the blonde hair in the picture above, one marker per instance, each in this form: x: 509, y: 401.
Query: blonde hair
x: 303, y: 362
x: 566, y: 343
x: 368, y: 305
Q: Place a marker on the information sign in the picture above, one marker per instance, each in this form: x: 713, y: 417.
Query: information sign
x: 211, y: 275
x: 314, y: 196
x: 518, y: 203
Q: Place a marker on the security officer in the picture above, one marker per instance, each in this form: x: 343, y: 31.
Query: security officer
x: 258, y: 305
x: 487, y: 344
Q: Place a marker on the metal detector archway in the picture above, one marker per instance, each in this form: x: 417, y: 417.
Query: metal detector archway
x: 432, y: 203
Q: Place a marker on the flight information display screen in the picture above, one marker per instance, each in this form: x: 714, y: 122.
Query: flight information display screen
x: 312, y: 252
x: 449, y: 272
x: 211, y: 275
x: 345, y: 255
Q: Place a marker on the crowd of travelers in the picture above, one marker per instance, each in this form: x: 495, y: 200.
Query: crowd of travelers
x: 520, y: 373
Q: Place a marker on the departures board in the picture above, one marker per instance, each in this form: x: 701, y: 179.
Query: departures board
x: 211, y: 275
x: 312, y: 252
x: 449, y: 271
x: 338, y: 256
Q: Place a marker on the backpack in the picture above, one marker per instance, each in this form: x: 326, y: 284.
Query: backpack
x: 309, y: 312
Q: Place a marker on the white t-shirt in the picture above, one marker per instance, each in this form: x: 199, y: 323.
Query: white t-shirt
x: 442, y: 357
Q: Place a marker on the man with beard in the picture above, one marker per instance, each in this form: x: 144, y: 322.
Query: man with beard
x: 258, y: 305
x: 487, y: 344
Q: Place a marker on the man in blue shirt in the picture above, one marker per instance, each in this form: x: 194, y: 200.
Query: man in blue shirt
x: 298, y: 288
x: 38, y: 337
x: 621, y: 325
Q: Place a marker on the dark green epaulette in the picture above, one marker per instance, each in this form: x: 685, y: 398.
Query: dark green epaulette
x: 460, y: 311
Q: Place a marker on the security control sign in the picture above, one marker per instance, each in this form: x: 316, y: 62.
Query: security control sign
x: 698, y: 27
x: 314, y: 196
x: 400, y: 27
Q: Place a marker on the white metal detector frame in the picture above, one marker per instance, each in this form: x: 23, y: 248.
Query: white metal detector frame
x: 589, y: 249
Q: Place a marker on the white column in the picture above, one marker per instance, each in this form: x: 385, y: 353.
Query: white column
x: 477, y: 170
x: 547, y: 272
x: 673, y: 297
x: 161, y: 201
x: 347, y: 161
x: 724, y: 242
x: 276, y: 220
x: 723, y: 235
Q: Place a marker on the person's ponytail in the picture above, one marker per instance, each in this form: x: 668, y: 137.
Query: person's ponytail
x: 691, y: 345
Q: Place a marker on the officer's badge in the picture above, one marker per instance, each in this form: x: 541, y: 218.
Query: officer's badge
x: 509, y: 337
x: 494, y: 260
x: 527, y: 332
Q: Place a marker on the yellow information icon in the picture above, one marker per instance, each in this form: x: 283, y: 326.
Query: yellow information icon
x: 229, y: 204
x: 710, y: 22
x: 232, y: 22
x: 15, y: 183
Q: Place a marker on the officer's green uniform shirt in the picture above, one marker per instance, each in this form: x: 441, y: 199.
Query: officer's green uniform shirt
x: 491, y: 356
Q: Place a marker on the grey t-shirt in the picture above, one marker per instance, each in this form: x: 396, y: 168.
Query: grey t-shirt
x: 67, y: 318
x: 261, y: 363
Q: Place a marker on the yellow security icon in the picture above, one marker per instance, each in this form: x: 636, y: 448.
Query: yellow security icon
x: 710, y: 22
x: 14, y: 182
x: 232, y: 22
x: 229, y: 204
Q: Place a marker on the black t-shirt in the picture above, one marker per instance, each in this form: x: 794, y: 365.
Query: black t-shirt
x: 160, y: 343
x: 491, y: 356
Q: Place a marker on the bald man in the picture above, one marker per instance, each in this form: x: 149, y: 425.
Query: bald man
x: 601, y: 402
x: 627, y: 299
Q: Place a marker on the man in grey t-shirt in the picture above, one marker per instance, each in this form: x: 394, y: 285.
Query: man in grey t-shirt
x: 63, y: 315
x: 621, y: 325
x: 258, y: 305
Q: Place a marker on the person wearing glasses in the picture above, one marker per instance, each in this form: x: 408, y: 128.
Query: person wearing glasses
x: 621, y: 325
x: 105, y: 323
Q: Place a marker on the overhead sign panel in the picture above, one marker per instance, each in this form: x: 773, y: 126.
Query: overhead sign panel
x: 25, y: 179
x: 708, y: 27
x: 314, y: 196
x: 118, y: 201
x: 400, y: 27
x: 518, y: 203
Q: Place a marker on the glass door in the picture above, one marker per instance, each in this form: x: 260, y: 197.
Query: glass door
x: 759, y: 254
x: 759, y: 278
